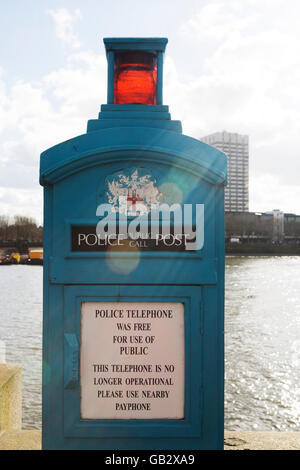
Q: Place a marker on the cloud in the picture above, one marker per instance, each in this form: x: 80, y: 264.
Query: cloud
x: 218, y: 19
x: 64, y: 22
x: 251, y: 76
x: 36, y: 116
x: 249, y: 84
x: 26, y: 202
x: 267, y: 192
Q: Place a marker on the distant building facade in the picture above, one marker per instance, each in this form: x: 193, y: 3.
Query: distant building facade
x: 236, y: 147
x: 278, y: 225
x: 273, y: 226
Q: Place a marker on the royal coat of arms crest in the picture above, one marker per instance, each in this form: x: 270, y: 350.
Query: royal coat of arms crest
x: 133, y: 192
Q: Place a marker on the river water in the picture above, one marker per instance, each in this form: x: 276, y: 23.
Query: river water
x: 262, y: 340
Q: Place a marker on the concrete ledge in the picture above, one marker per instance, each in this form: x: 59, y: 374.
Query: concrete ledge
x: 10, y: 397
x: 21, y: 440
x: 244, y: 440
x: 263, y: 440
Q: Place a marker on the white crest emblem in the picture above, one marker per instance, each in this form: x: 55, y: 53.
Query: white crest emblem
x: 132, y: 192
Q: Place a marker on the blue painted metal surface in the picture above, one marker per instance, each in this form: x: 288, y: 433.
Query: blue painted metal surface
x: 73, y: 174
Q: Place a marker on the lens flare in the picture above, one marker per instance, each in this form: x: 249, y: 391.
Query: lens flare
x: 121, y: 265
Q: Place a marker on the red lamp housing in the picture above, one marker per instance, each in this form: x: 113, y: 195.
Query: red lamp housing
x: 135, y: 77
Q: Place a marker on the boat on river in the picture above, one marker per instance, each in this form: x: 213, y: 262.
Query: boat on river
x: 35, y: 257
x: 10, y: 258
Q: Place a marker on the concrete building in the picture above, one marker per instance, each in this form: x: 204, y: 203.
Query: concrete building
x: 272, y: 226
x: 236, y: 147
x: 278, y: 225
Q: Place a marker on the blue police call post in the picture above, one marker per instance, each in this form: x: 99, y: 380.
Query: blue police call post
x: 133, y: 273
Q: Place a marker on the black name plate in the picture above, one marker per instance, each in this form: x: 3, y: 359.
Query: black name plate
x: 85, y: 239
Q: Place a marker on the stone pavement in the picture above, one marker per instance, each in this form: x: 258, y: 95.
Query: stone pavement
x: 20, y: 440
x: 261, y: 440
x: 244, y: 440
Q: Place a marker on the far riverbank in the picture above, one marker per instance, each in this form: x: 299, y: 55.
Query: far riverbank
x: 238, y: 249
x: 262, y: 249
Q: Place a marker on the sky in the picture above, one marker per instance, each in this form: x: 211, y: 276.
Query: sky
x: 230, y: 65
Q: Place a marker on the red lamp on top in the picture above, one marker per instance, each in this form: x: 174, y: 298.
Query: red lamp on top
x: 135, y: 77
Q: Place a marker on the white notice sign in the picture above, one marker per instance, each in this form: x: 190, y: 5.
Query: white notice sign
x: 132, y: 360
